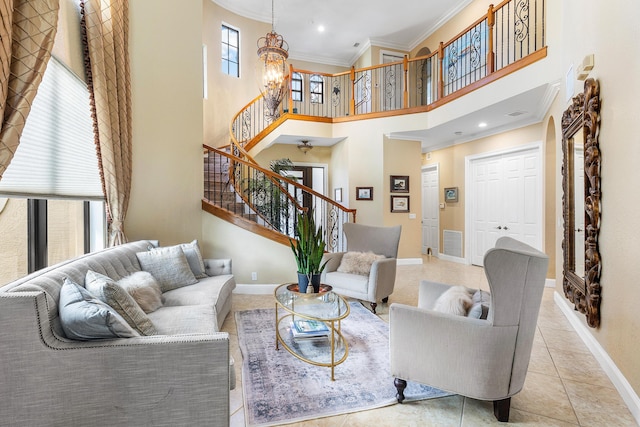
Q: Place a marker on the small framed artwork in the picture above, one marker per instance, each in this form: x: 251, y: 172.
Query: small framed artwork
x: 364, y: 193
x: 399, y: 203
x: 399, y: 183
x: 337, y: 194
x: 451, y: 194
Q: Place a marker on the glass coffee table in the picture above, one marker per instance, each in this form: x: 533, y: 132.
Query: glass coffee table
x: 308, y: 325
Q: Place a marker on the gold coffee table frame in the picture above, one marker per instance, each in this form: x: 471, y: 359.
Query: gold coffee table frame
x: 327, y: 307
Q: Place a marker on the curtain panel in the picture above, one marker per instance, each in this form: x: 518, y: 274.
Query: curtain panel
x: 105, y: 27
x: 27, y: 32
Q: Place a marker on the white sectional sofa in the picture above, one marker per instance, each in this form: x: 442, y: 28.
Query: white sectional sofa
x: 179, y: 375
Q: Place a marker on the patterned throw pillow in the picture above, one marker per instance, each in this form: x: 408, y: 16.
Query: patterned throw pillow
x: 358, y: 262
x: 84, y: 317
x: 108, y: 291
x: 169, y: 266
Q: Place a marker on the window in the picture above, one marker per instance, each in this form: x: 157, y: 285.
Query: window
x: 316, y: 88
x: 296, y: 87
x: 230, y: 51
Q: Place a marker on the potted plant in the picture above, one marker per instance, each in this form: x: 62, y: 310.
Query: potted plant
x: 308, y: 251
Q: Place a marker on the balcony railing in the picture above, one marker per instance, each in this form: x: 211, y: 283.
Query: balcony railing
x: 509, y: 37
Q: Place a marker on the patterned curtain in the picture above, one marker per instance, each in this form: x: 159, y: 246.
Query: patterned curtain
x: 105, y: 26
x: 27, y: 31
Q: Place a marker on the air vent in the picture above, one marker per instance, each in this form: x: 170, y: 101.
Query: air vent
x: 516, y: 113
x: 356, y: 44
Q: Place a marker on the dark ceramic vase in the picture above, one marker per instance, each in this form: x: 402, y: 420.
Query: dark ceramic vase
x: 303, y: 283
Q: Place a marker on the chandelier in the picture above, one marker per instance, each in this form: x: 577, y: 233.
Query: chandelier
x: 305, y: 146
x: 273, y: 54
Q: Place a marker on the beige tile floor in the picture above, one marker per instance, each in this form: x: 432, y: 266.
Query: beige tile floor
x: 556, y: 391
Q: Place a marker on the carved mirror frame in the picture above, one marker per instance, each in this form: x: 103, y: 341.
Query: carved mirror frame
x: 583, y: 291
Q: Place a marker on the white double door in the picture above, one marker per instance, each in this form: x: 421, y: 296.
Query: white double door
x: 505, y: 198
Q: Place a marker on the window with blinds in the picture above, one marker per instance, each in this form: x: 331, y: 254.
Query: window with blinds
x: 56, y: 157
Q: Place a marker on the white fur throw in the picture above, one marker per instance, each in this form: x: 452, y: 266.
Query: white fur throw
x: 456, y: 300
x: 358, y: 262
x: 144, y: 289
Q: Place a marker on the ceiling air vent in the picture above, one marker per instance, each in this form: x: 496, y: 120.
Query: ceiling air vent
x: 516, y: 113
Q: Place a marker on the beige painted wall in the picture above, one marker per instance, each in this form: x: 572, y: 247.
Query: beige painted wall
x: 404, y: 158
x: 166, y: 89
x: 607, y: 34
x: 14, y: 262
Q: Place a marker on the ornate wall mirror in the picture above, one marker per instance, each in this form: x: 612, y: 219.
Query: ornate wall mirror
x: 581, y: 202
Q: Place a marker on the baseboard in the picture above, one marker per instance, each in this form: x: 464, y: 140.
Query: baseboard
x: 550, y: 283
x: 452, y: 258
x: 627, y: 392
x: 257, y: 289
x: 408, y: 261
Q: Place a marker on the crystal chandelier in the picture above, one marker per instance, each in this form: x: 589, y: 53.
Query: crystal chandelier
x: 273, y: 54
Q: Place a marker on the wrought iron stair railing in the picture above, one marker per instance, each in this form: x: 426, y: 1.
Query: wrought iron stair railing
x: 267, y: 202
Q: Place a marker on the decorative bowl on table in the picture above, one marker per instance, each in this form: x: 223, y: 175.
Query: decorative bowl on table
x: 323, y: 290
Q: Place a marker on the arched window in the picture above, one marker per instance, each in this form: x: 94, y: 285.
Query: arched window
x: 316, y: 89
x: 296, y: 87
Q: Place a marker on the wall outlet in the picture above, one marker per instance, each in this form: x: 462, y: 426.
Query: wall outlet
x: 412, y: 216
x: 254, y: 276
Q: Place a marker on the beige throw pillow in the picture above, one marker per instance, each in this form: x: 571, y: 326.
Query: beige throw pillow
x: 144, y: 289
x: 358, y: 262
x: 108, y: 291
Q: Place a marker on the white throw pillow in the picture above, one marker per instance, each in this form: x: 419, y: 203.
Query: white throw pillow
x: 456, y: 300
x: 144, y: 289
x: 169, y: 266
x: 84, y: 317
x: 358, y: 262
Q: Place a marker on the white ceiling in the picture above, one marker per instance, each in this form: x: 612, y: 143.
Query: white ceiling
x: 387, y: 24
x: 383, y: 23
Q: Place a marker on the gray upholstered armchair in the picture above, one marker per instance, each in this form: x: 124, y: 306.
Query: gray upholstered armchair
x: 482, y: 359
x: 379, y: 282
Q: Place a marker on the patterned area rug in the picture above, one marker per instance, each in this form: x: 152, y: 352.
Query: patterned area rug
x: 280, y: 389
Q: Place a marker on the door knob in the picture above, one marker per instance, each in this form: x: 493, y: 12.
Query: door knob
x: 506, y: 228
x: 499, y: 227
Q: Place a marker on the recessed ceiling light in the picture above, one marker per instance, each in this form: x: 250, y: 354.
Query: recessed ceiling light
x: 482, y: 125
x: 458, y: 132
x: 321, y: 28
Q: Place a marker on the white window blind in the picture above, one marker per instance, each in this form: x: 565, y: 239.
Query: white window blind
x: 56, y: 157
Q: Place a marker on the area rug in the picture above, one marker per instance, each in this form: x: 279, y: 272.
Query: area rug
x: 280, y: 389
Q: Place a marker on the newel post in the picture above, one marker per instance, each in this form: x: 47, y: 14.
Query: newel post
x: 440, y: 71
x: 405, y: 64
x: 290, y: 88
x: 491, y: 22
x: 352, y: 101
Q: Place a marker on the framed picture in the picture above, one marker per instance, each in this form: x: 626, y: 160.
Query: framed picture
x: 364, y: 193
x: 399, y: 183
x: 399, y: 203
x: 451, y: 194
x: 337, y: 194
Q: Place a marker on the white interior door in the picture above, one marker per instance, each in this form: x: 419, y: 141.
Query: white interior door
x: 505, y: 200
x: 430, y: 211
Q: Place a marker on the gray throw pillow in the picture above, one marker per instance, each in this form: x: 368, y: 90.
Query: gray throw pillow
x: 84, y: 317
x: 108, y: 291
x: 194, y: 258
x: 481, y: 302
x: 169, y: 266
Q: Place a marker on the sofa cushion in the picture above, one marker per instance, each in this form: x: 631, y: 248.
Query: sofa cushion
x: 84, y: 317
x: 358, y: 262
x: 191, y: 319
x: 351, y: 282
x: 108, y: 291
x: 169, y: 266
x: 144, y: 289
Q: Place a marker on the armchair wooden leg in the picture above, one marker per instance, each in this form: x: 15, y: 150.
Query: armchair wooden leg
x: 501, y: 409
x: 400, y: 386
x: 385, y: 300
x: 373, y: 307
